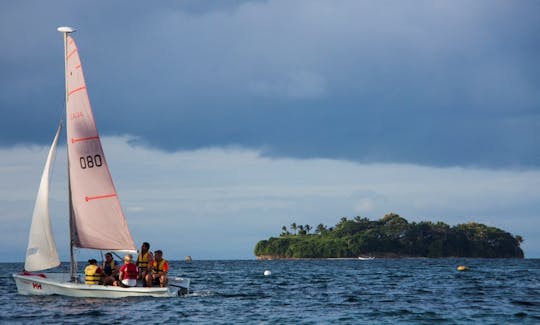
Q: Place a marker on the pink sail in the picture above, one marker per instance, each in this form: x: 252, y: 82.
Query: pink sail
x: 97, y: 219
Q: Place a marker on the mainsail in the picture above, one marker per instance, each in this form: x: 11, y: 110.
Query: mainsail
x: 41, y: 253
x: 97, y: 220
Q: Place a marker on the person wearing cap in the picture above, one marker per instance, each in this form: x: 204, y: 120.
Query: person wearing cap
x: 128, y: 273
x: 92, y: 272
x: 160, y: 267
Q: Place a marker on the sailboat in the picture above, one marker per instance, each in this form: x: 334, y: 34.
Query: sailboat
x: 96, y: 218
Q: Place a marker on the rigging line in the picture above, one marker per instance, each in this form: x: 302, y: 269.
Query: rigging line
x: 55, y: 156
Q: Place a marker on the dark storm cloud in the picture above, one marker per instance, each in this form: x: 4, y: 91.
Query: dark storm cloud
x: 436, y: 83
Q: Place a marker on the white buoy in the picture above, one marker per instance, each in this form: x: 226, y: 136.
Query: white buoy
x: 267, y: 273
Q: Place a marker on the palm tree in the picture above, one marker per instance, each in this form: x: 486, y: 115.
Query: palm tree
x: 308, y: 228
x: 320, y: 228
x: 358, y: 219
x: 294, y: 227
x: 284, y: 231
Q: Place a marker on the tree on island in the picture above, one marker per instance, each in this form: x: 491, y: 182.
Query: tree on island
x: 391, y: 236
x: 293, y: 227
x: 320, y: 229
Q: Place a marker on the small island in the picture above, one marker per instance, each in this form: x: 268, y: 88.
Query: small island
x: 391, y: 236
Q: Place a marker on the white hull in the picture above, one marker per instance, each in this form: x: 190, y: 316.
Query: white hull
x: 58, y: 284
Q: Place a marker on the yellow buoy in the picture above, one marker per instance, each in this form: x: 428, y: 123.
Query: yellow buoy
x: 462, y: 268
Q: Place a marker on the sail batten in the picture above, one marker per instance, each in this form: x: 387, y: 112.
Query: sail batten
x: 41, y: 253
x: 98, y: 221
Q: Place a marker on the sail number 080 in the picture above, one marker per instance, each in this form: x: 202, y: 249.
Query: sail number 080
x: 91, y: 161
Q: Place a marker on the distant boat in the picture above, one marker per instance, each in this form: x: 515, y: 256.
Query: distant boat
x: 366, y: 258
x: 95, y: 214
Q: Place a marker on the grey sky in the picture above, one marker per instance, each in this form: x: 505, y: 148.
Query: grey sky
x: 247, y: 115
x: 446, y: 83
x: 217, y: 203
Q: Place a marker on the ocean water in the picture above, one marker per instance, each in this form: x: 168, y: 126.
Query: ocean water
x: 380, y: 291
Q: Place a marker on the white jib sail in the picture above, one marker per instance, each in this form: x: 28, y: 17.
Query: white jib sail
x: 41, y: 253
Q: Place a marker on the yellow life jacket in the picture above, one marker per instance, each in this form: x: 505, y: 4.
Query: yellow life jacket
x: 162, y: 266
x: 90, y: 274
x: 142, y: 261
x: 109, y: 268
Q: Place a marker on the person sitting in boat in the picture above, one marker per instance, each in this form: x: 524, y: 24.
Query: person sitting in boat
x: 92, y: 272
x: 128, y: 273
x: 144, y: 261
x: 160, y: 268
x: 110, y: 269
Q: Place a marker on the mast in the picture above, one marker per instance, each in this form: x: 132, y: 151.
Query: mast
x: 65, y: 30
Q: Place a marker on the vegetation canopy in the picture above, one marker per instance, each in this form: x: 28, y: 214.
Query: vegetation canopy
x: 390, y: 236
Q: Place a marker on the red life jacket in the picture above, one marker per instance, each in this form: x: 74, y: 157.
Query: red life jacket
x: 129, y: 271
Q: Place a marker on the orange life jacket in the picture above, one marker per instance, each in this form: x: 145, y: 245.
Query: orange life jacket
x: 163, y: 266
